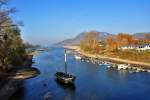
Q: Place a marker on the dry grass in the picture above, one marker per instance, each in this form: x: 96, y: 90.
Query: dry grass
x: 143, y: 56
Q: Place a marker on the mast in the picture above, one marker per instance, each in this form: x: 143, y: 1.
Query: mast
x: 65, y: 62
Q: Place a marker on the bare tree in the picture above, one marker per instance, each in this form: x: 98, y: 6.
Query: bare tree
x: 11, y: 44
x: 147, y: 36
x: 90, y: 42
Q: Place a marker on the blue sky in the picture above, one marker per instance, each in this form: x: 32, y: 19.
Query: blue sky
x: 50, y: 21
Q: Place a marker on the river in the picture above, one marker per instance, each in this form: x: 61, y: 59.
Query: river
x: 93, y: 82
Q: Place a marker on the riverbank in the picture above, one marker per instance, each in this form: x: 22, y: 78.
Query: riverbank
x: 33, y: 53
x: 112, y: 59
x: 11, y: 81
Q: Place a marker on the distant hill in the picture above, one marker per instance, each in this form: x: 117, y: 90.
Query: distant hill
x: 102, y: 36
x: 76, y: 40
x: 140, y: 35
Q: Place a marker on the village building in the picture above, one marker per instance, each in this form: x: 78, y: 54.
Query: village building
x: 135, y: 47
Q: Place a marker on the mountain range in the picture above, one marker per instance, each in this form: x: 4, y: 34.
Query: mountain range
x: 102, y: 36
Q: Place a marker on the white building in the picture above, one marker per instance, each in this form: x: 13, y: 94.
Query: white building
x: 143, y: 47
x: 138, y: 47
x: 130, y: 47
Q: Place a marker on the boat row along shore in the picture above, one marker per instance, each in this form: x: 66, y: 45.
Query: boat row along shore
x: 119, y: 64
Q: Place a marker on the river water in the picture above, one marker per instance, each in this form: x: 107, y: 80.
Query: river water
x: 93, y: 82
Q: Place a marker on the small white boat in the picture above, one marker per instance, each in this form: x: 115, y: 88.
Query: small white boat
x: 122, y: 66
x: 82, y: 60
x: 108, y: 66
x: 77, y: 57
x: 131, y: 72
x: 148, y: 71
x: 137, y: 71
x: 87, y: 61
x: 101, y: 64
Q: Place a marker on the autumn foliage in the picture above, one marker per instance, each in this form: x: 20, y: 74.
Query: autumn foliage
x: 12, y: 48
x: 90, y: 42
x: 111, y: 44
x: 122, y: 39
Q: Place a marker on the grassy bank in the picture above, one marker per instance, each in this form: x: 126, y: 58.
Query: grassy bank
x: 135, y: 56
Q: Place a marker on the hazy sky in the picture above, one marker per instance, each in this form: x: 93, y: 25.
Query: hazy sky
x: 49, y: 21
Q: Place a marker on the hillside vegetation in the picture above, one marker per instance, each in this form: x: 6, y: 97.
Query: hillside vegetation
x: 110, y: 46
x: 12, y: 48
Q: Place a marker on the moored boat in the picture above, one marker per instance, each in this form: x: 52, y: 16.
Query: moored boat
x: 65, y: 77
x: 77, y: 57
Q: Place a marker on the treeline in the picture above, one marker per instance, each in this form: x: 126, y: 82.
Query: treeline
x: 91, y: 43
x: 28, y: 45
x: 12, y: 48
x: 123, y: 39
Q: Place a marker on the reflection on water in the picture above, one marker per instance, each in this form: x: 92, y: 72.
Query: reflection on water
x: 68, y: 87
x: 93, y: 82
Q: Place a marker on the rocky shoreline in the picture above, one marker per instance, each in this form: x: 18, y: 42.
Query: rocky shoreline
x: 12, y: 81
x: 110, y: 59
